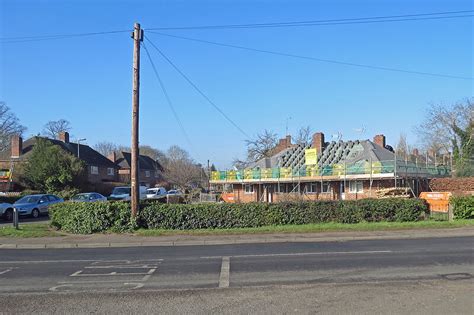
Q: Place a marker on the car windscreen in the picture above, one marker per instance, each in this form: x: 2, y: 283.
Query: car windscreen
x: 29, y: 199
x: 151, y: 191
x: 121, y: 191
x: 80, y: 197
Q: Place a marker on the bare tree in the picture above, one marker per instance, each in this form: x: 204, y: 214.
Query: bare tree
x: 52, y: 128
x: 261, y: 146
x: 239, y: 164
x: 9, y: 126
x: 105, y: 147
x: 180, y: 170
x: 402, y: 148
x: 438, y: 130
x: 303, y: 136
x: 155, y: 154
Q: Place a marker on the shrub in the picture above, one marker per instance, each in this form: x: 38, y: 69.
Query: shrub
x: 87, y: 218
x: 463, y: 207
x: 91, y: 217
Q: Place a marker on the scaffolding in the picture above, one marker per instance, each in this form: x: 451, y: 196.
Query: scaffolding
x: 404, y: 174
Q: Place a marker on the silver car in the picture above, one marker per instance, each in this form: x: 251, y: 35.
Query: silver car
x: 6, y: 211
x: 88, y: 197
x: 35, y: 205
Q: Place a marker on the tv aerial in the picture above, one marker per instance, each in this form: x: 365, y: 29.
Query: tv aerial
x: 360, y: 130
x: 337, y: 136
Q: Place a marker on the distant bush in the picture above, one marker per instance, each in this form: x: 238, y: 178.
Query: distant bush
x: 93, y: 217
x: 463, y: 207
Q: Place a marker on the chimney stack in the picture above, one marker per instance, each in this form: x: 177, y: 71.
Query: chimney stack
x: 64, y: 136
x: 16, y: 146
x: 380, y: 140
x: 416, y: 152
x: 318, y: 142
x: 112, y: 157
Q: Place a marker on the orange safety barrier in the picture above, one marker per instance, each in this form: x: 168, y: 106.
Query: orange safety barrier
x: 437, y: 201
x: 228, y: 197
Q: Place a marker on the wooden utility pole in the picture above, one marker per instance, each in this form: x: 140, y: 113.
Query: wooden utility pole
x: 137, y: 36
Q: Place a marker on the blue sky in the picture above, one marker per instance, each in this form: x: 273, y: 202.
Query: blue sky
x: 87, y: 80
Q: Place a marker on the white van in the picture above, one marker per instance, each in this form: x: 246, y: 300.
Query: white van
x: 156, y: 193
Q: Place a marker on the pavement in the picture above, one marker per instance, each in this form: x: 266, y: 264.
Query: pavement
x: 129, y: 240
x: 410, y: 275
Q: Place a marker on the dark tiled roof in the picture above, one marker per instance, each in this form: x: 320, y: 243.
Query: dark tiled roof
x: 86, y: 153
x: 333, y: 153
x: 145, y: 162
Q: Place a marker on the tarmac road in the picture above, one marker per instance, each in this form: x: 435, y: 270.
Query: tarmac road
x: 430, y: 275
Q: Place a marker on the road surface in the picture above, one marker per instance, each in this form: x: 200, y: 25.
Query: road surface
x: 433, y: 275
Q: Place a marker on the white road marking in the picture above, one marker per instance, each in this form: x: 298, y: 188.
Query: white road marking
x: 225, y: 272
x: 91, y: 281
x: 80, y: 274
x: 54, y: 289
x: 92, y: 261
x: 303, y: 254
x: 46, y: 261
x: 136, y: 285
x: 5, y: 271
x: 120, y: 267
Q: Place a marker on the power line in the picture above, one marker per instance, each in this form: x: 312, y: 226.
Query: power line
x: 198, y: 89
x: 315, y: 58
x: 359, y: 20
x: 8, y: 40
x: 168, y: 100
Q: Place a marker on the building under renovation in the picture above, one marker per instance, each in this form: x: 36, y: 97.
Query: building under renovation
x: 329, y: 171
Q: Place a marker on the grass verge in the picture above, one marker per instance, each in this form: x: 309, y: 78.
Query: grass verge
x: 44, y: 230
x: 29, y: 230
x: 313, y: 228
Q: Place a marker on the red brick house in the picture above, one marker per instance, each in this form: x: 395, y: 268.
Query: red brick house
x: 99, y: 169
x: 150, y: 170
x: 328, y: 171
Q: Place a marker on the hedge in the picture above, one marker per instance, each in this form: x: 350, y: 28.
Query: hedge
x: 98, y: 217
x: 87, y: 218
x: 463, y: 207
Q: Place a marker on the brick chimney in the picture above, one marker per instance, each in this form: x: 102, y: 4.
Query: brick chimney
x: 64, y: 136
x: 318, y: 142
x: 380, y: 140
x: 16, y: 146
x: 112, y: 157
x: 283, y: 144
x: 416, y: 152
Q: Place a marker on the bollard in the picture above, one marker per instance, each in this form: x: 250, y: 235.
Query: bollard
x: 15, y: 218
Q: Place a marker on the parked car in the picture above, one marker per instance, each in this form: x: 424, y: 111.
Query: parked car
x: 88, y: 197
x: 174, y: 192
x: 6, y: 211
x: 35, y: 205
x: 155, y: 193
x: 124, y: 192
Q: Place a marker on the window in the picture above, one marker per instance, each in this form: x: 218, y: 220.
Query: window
x: 356, y: 187
x: 110, y: 171
x: 311, y: 188
x: 326, y: 187
x: 248, y: 189
x: 94, y: 170
x: 281, y: 188
x: 157, y: 174
x: 147, y: 173
x: 52, y: 198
